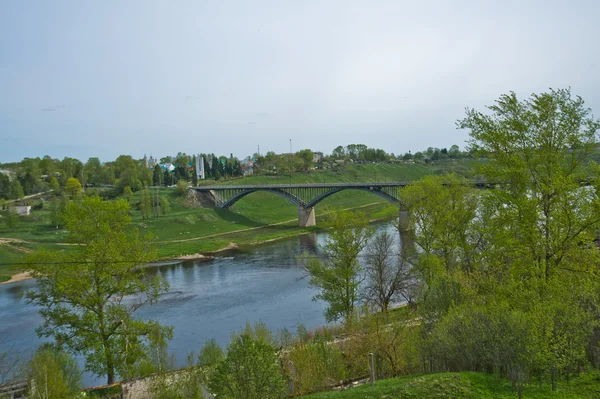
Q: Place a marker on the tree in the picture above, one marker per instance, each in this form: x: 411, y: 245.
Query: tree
x: 54, y: 186
x: 93, y: 172
x: 165, y: 206
x: 73, y: 187
x: 338, y: 274
x: 338, y: 152
x: 539, y: 149
x: 156, y: 175
x: 88, y: 295
x: 128, y: 193
x: 17, y: 189
x: 306, y: 159
x: 388, y: 274
x: 57, y: 208
x: 11, y: 217
x: 54, y: 374
x: 250, y: 371
x: 146, y: 204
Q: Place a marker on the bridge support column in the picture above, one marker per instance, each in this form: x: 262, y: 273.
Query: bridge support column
x: 407, y: 245
x: 403, y: 222
x: 306, y: 217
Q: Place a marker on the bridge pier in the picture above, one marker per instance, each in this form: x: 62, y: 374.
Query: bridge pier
x: 407, y: 245
x: 306, y: 217
x: 403, y: 221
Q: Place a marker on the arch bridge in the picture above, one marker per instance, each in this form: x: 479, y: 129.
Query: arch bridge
x: 305, y: 196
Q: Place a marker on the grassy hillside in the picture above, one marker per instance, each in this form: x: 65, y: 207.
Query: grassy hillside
x: 462, y: 386
x: 256, y: 218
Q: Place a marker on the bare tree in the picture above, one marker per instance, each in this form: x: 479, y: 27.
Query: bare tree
x: 387, y: 273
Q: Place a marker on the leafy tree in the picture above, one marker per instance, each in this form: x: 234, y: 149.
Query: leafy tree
x: 54, y: 374
x: 250, y: 371
x: 73, y: 187
x: 167, y: 178
x: 165, y: 206
x: 57, y: 208
x: 54, y: 185
x: 146, y: 204
x: 5, y: 187
x: 128, y: 193
x: 338, y: 152
x: 93, y: 172
x: 85, y: 295
x: 17, y: 190
x: 338, y: 274
x: 211, y: 354
x: 156, y: 175
x: 538, y: 150
x: 11, y: 217
x: 387, y: 273
x: 306, y: 159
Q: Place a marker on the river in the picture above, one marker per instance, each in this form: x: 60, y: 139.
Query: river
x: 207, y: 298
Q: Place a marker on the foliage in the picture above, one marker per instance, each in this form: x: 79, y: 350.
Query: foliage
x: 127, y: 193
x: 88, y: 296
x: 57, y: 209
x: 210, y: 354
x: 165, y: 206
x: 314, y: 366
x: 11, y: 217
x: 509, y: 276
x: 464, y: 385
x: 338, y: 274
x: 146, y: 204
x: 54, y: 374
x: 73, y: 187
x: 250, y: 370
x: 181, y: 188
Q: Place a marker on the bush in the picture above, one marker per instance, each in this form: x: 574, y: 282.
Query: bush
x: 250, y: 370
x: 54, y: 374
x: 37, y: 205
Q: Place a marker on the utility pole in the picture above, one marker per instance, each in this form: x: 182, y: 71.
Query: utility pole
x: 291, y: 161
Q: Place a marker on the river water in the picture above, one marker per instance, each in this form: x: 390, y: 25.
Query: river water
x: 207, y: 298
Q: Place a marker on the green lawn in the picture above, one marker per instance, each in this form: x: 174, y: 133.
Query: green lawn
x: 464, y: 385
x: 191, y: 230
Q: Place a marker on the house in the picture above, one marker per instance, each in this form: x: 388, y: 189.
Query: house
x: 23, y: 210
x: 167, y: 166
x: 247, y: 170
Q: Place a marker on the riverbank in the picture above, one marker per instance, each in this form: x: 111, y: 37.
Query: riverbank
x: 187, y: 232
x: 249, y: 237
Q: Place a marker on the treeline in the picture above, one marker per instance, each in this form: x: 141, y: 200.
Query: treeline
x: 37, y: 175
x: 362, y: 153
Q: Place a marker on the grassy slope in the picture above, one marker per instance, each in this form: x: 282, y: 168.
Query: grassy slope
x: 187, y: 231
x: 464, y: 385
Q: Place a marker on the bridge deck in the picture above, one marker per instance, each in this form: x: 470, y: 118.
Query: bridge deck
x: 308, y: 185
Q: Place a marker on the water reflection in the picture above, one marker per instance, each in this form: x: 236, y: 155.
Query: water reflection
x: 207, y: 298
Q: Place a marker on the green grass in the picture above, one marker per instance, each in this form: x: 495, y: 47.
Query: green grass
x: 191, y: 230
x: 464, y: 385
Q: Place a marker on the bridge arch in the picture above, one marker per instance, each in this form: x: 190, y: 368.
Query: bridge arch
x: 382, y: 194
x: 282, y: 193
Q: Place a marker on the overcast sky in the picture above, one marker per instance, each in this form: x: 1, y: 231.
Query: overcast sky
x: 103, y: 78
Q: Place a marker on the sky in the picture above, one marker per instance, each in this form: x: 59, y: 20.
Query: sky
x: 99, y: 79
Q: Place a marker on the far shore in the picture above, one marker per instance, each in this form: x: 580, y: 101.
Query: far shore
x: 18, y: 277
x: 199, y: 255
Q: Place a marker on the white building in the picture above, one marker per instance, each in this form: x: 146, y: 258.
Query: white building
x: 23, y: 210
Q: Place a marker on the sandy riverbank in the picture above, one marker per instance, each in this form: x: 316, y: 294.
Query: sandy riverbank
x: 18, y: 277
